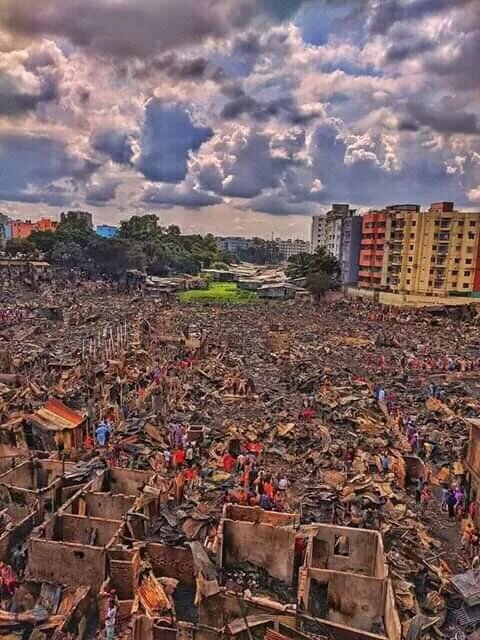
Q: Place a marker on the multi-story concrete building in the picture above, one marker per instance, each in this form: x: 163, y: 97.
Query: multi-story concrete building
x: 77, y: 216
x: 22, y: 229
x: 288, y: 248
x: 350, y: 249
x: 339, y: 232
x: 233, y: 244
x: 447, y: 259
x: 372, y: 246
x: 318, y: 232
x: 435, y: 252
x: 402, y: 239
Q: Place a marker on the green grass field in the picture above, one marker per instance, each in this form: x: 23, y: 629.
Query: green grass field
x: 222, y: 292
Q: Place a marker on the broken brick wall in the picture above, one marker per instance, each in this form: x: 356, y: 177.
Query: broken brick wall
x: 124, y: 566
x: 364, y: 554
x: 102, y: 505
x: 171, y: 562
x: 126, y: 481
x: 263, y: 545
x: 258, y: 515
x: 24, y: 520
x: 66, y: 563
x: 77, y: 529
x: 346, y: 599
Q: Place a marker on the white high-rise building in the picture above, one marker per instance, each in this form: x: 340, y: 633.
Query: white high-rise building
x: 319, y: 232
x: 288, y: 248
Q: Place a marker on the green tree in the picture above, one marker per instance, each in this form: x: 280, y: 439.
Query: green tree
x: 140, y: 228
x: 299, y: 265
x: 44, y: 241
x: 20, y: 246
x: 324, y: 261
x: 68, y: 254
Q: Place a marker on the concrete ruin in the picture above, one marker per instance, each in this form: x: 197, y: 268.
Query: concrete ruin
x: 344, y: 583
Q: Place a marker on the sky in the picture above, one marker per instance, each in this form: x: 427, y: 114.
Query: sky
x: 238, y: 117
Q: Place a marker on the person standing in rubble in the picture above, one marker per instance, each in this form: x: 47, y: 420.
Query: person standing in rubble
x: 451, y: 501
x: 179, y: 487
x: 425, y: 498
x: 110, y: 619
x: 101, y: 434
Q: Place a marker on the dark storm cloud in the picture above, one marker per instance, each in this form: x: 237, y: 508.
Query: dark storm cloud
x: 399, y: 51
x: 31, y: 163
x: 180, y: 68
x: 113, y: 143
x: 101, y: 193
x: 253, y: 167
x: 142, y: 28
x: 383, y: 14
x: 284, y: 108
x: 167, y: 138
x: 279, y: 205
x: 120, y: 28
x: 445, y: 119
x: 14, y: 100
x: 167, y: 196
x: 421, y: 179
x: 460, y: 68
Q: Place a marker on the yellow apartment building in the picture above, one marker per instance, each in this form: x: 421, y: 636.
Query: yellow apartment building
x: 435, y: 252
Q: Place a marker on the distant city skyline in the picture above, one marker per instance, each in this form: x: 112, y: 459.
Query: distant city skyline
x: 240, y: 117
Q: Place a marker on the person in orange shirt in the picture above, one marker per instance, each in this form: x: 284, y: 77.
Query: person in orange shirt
x: 268, y: 488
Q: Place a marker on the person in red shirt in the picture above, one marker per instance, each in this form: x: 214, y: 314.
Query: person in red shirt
x: 179, y: 457
x: 191, y: 475
x: 228, y: 463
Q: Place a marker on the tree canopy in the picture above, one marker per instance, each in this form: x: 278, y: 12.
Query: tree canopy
x: 141, y: 244
x: 320, y: 269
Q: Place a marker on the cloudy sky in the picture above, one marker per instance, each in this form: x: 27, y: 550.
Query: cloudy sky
x: 237, y: 116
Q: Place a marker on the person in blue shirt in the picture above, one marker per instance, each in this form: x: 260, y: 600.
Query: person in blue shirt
x: 101, y: 434
x: 265, y: 502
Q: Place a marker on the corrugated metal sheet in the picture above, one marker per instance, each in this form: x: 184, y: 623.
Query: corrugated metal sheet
x: 152, y: 597
x: 56, y: 416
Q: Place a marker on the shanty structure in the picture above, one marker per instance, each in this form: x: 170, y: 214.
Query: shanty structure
x: 280, y: 291
x: 56, y: 426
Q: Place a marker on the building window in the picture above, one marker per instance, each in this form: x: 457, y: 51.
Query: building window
x: 437, y: 222
x: 471, y: 236
x: 460, y: 236
x: 434, y: 247
x: 460, y: 223
x: 431, y: 271
x: 454, y: 285
x: 472, y: 223
x: 469, y: 249
x: 414, y: 223
x: 458, y: 248
x: 466, y: 285
x: 430, y: 283
x: 341, y: 546
x: 410, y: 259
x: 455, y: 273
x: 412, y: 235
x: 408, y: 281
x: 411, y: 247
x: 457, y: 260
x: 468, y: 261
x: 466, y: 273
